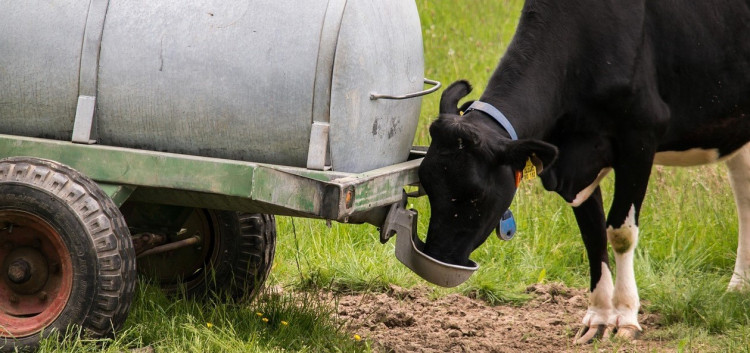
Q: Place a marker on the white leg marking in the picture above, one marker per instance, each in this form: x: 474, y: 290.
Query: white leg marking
x: 584, y: 194
x: 600, y: 301
x: 625, y: 299
x: 739, y: 178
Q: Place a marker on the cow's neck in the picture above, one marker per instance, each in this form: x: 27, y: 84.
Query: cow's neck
x: 532, y: 107
x: 553, y: 58
x: 527, y: 86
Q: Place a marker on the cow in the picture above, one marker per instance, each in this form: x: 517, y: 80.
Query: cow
x: 587, y: 87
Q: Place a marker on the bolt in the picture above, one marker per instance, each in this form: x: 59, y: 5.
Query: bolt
x: 13, y: 299
x: 19, y: 271
x: 43, y: 296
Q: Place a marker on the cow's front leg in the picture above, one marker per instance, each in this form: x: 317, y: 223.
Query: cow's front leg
x: 631, y: 180
x: 590, y: 218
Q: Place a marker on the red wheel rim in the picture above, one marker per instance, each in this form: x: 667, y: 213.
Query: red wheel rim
x: 36, y: 271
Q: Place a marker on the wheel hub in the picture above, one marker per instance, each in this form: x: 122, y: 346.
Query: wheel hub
x: 35, y: 274
x: 19, y: 271
x: 26, y: 270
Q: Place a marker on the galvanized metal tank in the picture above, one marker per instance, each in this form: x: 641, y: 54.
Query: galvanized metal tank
x: 282, y: 82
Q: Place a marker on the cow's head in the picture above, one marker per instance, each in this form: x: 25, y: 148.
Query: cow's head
x: 470, y: 177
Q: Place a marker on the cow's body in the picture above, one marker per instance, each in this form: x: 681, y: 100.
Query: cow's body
x: 608, y: 85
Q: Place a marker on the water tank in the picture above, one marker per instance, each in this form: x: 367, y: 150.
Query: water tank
x: 282, y: 82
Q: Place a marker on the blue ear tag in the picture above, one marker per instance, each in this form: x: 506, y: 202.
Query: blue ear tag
x: 507, y: 227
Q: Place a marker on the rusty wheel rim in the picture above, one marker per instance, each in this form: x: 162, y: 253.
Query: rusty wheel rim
x: 37, y: 274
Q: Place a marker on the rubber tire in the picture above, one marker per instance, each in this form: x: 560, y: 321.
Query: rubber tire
x: 248, y: 258
x: 243, y: 246
x: 103, y: 259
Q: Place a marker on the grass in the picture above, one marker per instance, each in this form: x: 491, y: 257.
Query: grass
x: 272, y: 323
x: 683, y: 262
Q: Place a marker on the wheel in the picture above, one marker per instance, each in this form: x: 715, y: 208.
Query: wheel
x: 65, y: 251
x: 233, y: 255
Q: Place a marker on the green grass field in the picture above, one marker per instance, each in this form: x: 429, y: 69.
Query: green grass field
x: 683, y: 262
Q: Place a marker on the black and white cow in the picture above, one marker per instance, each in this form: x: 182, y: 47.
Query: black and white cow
x: 589, y: 86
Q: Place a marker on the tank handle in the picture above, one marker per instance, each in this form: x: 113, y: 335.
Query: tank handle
x: 374, y: 96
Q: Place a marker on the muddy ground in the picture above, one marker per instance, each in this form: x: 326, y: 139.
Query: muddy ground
x: 412, y: 321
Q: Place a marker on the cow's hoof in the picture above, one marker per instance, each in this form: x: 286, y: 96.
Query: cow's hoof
x: 587, y: 334
x: 628, y: 332
x: 623, y: 333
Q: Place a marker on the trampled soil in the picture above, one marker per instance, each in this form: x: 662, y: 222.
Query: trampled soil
x: 411, y: 321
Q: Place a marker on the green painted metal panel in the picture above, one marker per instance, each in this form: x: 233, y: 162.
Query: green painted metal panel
x: 192, y: 180
x: 375, y: 188
x: 295, y: 192
x: 138, y: 167
x: 118, y: 193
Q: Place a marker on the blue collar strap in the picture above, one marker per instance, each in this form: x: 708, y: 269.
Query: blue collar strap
x: 495, y: 114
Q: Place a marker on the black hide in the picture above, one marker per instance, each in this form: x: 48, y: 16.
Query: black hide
x: 609, y: 83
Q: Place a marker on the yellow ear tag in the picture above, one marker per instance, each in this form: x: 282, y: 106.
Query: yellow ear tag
x: 529, y: 171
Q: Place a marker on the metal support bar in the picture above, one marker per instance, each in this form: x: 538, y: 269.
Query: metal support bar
x: 171, y: 246
x: 398, y: 221
x: 118, y: 193
x: 192, y: 181
x: 84, y: 127
x: 318, y: 152
x: 318, y: 155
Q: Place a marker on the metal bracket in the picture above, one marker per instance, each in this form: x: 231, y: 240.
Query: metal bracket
x: 84, y: 124
x: 84, y: 127
x: 399, y: 221
x: 317, y: 155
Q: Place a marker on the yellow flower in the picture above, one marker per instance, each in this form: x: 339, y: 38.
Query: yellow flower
x: 284, y: 323
x: 259, y: 314
x: 357, y: 337
x: 265, y: 319
x: 209, y: 325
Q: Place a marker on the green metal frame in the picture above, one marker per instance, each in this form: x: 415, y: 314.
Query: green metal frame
x: 186, y: 180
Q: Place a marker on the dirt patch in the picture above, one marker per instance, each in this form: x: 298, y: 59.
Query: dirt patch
x: 411, y: 321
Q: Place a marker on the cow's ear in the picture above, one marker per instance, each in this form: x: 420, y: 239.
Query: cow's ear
x: 450, y: 97
x: 541, y: 154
